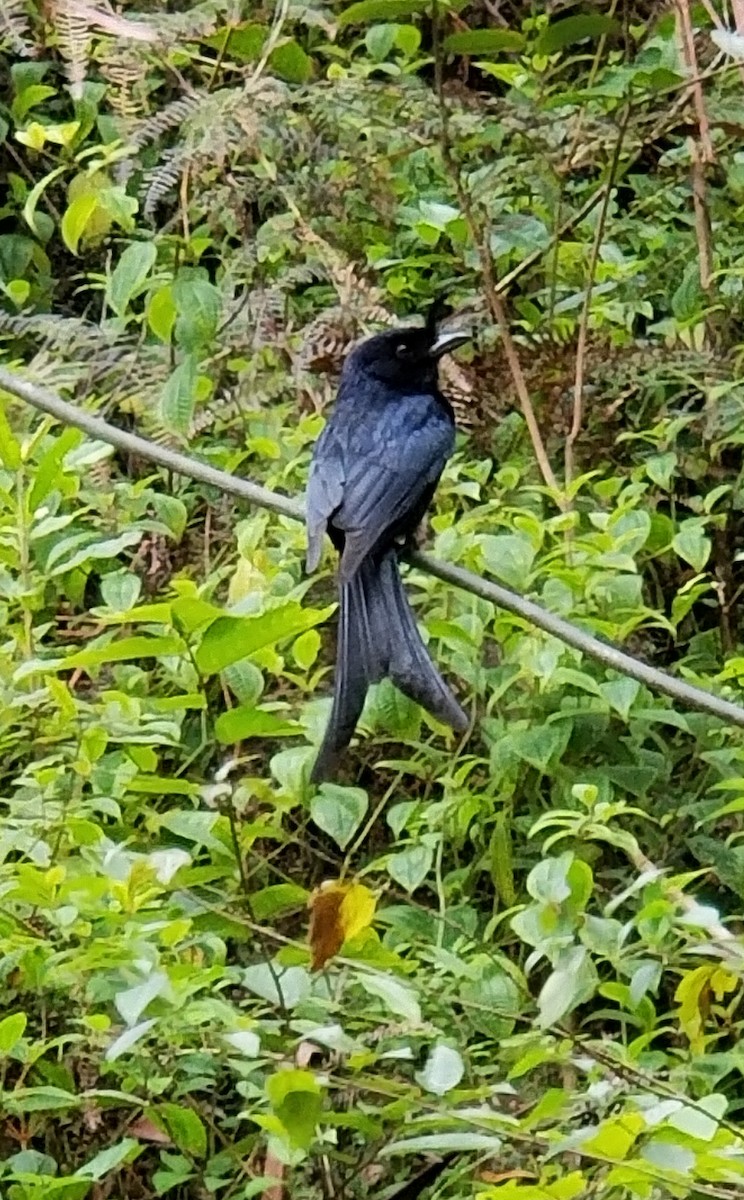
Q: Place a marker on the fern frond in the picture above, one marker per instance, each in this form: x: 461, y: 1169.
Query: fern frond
x: 15, y: 28
x: 170, y: 117
x: 73, y: 29
x: 161, y: 180
x: 121, y: 67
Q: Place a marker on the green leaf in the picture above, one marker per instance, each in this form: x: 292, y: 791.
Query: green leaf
x: 306, y: 648
x: 161, y: 313
x: 75, y: 219
x: 509, y: 557
x: 691, y: 544
x: 132, y: 1002
x: 697, y: 1124
x: 484, y: 41
x: 290, y: 62
x: 381, y: 10
x: 126, y: 650
x: 380, y: 40
x: 11, y: 1030
x: 491, y: 1000
x: 185, y: 1128
x: 569, y: 30
x: 573, y: 982
x: 296, y: 1098
x: 198, y: 303
x: 278, y: 898
x: 10, y: 450
x: 339, y: 811
x: 541, y: 746
x: 620, y: 694
x: 129, y: 274
x: 125, y: 1151
x: 463, y: 1141
x: 229, y: 639
x: 245, y: 41
x: 248, y: 722
x: 410, y: 867
x: 284, y: 987
x: 442, y: 1071
x: 120, y: 590
x: 398, y: 998
x: 39, y: 1099
x: 179, y: 397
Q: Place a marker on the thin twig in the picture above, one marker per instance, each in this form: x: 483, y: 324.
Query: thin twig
x: 689, y: 54
x: 578, y: 401
x: 480, y: 241
x: 609, y: 655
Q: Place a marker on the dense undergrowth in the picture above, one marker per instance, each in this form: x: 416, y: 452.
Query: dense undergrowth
x: 206, y: 203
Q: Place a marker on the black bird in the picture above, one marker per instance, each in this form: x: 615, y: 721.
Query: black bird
x: 374, y: 471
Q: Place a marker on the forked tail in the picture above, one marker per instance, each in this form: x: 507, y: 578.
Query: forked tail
x: 378, y: 637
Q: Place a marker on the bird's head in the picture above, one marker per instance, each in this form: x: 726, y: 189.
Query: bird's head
x: 407, y: 357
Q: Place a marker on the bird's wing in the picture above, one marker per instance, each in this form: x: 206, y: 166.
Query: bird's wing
x: 325, y: 491
x: 388, y: 483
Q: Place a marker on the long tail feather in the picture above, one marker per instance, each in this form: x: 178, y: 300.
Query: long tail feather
x: 378, y: 636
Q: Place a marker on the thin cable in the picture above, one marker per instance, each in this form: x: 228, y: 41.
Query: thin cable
x: 605, y: 653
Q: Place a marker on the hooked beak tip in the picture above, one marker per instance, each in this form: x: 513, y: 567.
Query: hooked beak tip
x: 446, y: 342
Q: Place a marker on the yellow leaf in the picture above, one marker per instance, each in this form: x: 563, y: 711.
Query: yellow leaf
x: 338, y: 911
x: 692, y: 993
x: 34, y: 136
x: 721, y: 982
x: 357, y: 910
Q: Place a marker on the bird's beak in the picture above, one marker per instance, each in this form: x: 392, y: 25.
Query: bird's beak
x: 446, y: 342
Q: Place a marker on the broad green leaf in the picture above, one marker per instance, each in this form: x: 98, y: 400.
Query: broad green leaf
x: 229, y: 639
x: 484, y: 41
x: 185, y: 1128
x: 75, y: 220
x: 249, y: 722
x: 132, y: 1002
x: 380, y: 40
x: 492, y: 1001
x: 573, y: 982
x: 197, y: 302
x: 120, y: 590
x: 290, y: 62
x: 124, y: 650
x: 700, y: 1124
x: 125, y: 1151
x: 296, y: 1098
x: 128, y: 1039
x: 569, y: 30
x: 410, y: 867
x: 399, y: 999
x: 10, y: 450
x: 339, y: 811
x: 129, y: 274
x: 442, y: 1070
x: 161, y: 312
x: 245, y: 1041
x: 691, y: 544
x: 620, y: 694
x: 11, y: 1030
x: 463, y: 1141
x: 179, y: 397
x: 509, y: 557
x: 278, y: 898
x: 285, y: 987
x: 39, y: 1099
x: 381, y: 10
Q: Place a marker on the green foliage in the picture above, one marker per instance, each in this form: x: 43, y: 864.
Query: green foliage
x: 204, y: 206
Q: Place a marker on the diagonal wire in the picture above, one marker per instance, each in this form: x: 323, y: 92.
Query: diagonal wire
x: 604, y: 652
